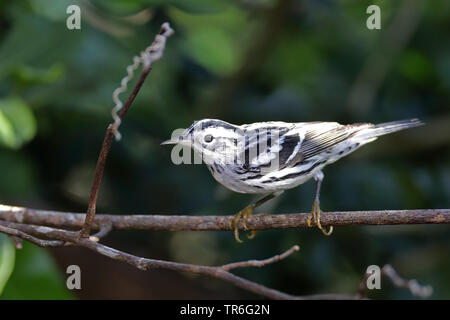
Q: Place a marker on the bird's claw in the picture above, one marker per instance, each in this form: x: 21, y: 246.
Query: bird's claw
x: 315, y: 217
x: 251, y: 235
x: 242, y: 216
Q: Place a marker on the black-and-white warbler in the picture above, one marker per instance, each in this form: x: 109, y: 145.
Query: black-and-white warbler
x: 270, y: 157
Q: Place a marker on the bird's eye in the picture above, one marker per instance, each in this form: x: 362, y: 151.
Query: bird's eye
x: 208, y: 138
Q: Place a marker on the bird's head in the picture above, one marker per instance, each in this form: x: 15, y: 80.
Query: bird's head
x: 215, y: 139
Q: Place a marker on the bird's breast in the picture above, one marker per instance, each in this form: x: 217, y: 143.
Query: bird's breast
x: 229, y: 177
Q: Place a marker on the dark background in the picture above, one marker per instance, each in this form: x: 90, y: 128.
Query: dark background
x: 241, y: 61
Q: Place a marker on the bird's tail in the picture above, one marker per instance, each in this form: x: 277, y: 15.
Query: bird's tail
x: 389, y: 127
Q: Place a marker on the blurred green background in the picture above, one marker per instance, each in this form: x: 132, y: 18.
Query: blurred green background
x: 241, y: 61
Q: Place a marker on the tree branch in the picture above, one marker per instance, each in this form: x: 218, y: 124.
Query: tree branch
x: 222, y: 223
x: 33, y: 232
x: 32, y: 225
x: 22, y: 235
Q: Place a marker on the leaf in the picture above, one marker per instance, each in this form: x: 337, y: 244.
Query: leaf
x: 52, y: 10
x: 17, y: 123
x: 36, y: 276
x: 7, y: 135
x: 213, y: 49
x: 24, y: 74
x: 18, y: 176
x: 7, y: 258
x: 210, y: 39
x: 416, y: 67
x: 191, y: 6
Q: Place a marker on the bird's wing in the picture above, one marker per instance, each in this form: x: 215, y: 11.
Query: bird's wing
x: 322, y: 136
x: 289, y: 146
x: 264, y: 143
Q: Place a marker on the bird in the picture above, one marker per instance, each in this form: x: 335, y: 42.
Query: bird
x: 268, y: 158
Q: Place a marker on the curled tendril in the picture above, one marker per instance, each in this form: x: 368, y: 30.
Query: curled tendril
x: 151, y: 54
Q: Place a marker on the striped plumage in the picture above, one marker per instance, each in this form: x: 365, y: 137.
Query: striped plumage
x: 303, y: 150
x: 269, y: 157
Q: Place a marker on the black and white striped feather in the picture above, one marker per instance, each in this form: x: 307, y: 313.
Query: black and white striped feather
x: 299, y: 150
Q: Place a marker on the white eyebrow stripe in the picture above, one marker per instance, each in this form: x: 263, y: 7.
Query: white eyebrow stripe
x: 222, y: 132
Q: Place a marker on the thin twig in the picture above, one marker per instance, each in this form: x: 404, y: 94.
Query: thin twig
x: 17, y: 233
x: 362, y: 287
x: 412, y: 285
x: 105, y: 229
x: 260, y: 263
x: 388, y: 271
x: 18, y: 243
x: 152, y: 53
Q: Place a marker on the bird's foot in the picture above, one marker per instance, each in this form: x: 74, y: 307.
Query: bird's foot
x: 315, y: 219
x: 242, y: 216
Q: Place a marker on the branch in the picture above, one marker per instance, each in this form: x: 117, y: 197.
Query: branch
x: 33, y: 233
x: 222, y: 223
x: 24, y: 223
x: 412, y: 285
x: 151, y: 54
x: 389, y: 272
x: 260, y: 263
x: 22, y: 235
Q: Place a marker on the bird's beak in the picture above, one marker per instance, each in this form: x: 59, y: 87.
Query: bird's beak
x: 172, y: 141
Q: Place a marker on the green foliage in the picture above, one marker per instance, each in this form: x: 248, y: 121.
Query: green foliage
x: 7, y: 256
x: 35, y: 276
x: 17, y: 122
x: 242, y: 61
x: 416, y: 67
x: 208, y: 38
x: 26, y: 75
x: 52, y: 10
